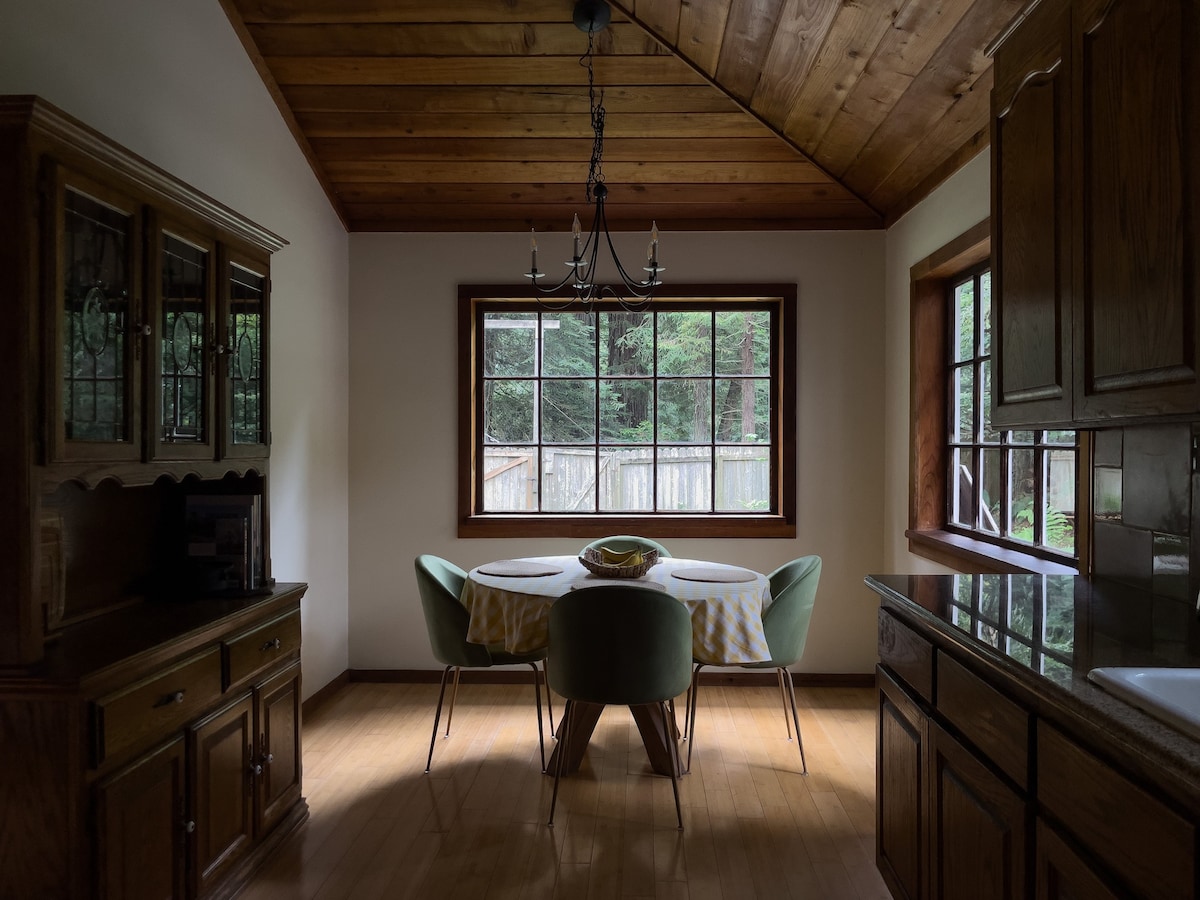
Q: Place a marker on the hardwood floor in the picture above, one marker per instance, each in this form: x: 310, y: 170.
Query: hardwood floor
x: 475, y: 827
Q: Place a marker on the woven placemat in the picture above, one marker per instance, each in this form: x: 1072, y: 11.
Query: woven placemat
x: 725, y: 575
x: 518, y: 568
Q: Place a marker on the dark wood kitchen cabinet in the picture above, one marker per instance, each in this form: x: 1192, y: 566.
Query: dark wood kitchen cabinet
x: 976, y: 824
x: 978, y: 797
x: 901, y: 802
x: 1096, y: 212
x: 1031, y: 236
x: 150, y: 725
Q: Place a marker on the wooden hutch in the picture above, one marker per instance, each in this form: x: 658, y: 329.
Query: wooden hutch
x: 149, y: 664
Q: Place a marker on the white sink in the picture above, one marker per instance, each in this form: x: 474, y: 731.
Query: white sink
x: 1170, y: 695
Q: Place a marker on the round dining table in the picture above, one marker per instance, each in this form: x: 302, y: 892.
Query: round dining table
x: 509, y: 603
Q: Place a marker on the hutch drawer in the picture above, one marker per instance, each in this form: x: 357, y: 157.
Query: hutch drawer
x: 150, y: 709
x: 252, y: 651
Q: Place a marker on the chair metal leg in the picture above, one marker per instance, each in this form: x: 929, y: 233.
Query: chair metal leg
x: 436, y: 716
x: 549, y: 705
x: 537, y: 696
x: 687, y: 701
x: 692, y: 718
x: 795, y: 718
x: 453, y: 697
x: 675, y: 773
x: 783, y: 699
x: 563, y: 749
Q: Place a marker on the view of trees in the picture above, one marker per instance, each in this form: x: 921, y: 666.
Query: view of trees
x: 673, y: 377
x: 665, y: 408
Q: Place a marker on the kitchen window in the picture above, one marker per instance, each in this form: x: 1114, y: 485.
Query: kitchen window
x: 980, y: 499
x: 1013, y: 488
x: 675, y: 418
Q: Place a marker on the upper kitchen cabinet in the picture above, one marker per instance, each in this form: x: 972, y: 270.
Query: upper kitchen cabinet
x: 1031, y: 265
x: 1096, y: 213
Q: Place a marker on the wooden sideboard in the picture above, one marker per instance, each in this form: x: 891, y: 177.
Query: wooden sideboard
x: 150, y: 733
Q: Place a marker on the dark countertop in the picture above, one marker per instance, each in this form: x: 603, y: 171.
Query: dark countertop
x: 1044, y: 633
x: 101, y: 647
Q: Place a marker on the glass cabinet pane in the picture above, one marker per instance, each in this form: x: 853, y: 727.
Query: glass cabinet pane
x: 246, y: 387
x: 183, y: 326
x: 97, y: 319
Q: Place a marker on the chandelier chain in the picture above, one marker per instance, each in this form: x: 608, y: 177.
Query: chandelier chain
x: 596, y: 166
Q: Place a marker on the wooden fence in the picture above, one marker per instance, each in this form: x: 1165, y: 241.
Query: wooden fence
x: 685, y: 479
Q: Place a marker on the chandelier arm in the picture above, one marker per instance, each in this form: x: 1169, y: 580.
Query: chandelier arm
x: 643, y: 289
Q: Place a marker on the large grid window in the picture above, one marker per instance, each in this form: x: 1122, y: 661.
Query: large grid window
x: 1015, y: 488
x: 675, y: 411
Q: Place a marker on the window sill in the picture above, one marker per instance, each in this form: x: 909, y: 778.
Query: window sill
x: 967, y: 555
x: 660, y: 526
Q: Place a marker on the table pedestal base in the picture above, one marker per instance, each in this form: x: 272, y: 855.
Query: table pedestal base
x: 657, y: 731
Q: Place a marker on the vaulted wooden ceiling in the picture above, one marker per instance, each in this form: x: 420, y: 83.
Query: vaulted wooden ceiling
x: 721, y: 114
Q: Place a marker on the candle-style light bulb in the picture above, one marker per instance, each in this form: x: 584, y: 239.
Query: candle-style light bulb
x: 653, y: 252
x: 577, y: 231
x: 532, y: 251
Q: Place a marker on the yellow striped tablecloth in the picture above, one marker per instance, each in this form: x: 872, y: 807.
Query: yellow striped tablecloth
x: 514, y: 611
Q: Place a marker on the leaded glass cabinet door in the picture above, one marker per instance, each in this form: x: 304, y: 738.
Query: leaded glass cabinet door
x: 187, y: 341
x: 245, y: 286
x: 98, y: 337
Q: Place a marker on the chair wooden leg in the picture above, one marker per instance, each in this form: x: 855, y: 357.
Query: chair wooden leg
x: 453, y: 697
x: 537, y: 696
x: 783, y: 699
x: 436, y: 716
x: 676, y: 774
x: 695, y: 694
x: 787, y: 677
x: 564, y: 747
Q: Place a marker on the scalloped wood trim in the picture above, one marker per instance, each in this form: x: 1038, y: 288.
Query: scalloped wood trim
x: 137, y: 474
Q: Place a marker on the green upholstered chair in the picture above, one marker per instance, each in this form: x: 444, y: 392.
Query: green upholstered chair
x: 785, y: 623
x: 613, y: 644
x: 440, y: 583
x: 627, y: 542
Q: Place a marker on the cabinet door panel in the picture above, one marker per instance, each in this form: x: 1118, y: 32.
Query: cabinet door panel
x: 1137, y: 286
x: 222, y: 792
x: 1062, y: 874
x: 977, y: 827
x: 1031, y: 223
x: 279, y: 743
x: 94, y: 243
x: 900, y: 791
x: 140, y: 828
x: 184, y: 263
x: 244, y: 342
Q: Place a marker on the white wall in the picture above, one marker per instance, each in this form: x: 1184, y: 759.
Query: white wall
x: 170, y: 81
x: 404, y: 440
x: 959, y: 203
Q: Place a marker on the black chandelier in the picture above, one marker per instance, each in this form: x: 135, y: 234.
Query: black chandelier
x: 591, y: 16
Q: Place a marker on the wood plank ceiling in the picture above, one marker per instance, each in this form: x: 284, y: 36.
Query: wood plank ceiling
x: 721, y: 114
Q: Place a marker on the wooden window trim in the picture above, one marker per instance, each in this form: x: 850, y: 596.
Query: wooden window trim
x: 781, y: 524
x: 929, y: 280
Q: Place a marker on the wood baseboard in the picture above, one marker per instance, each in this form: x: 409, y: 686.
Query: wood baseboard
x: 325, y: 693
x: 516, y: 676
